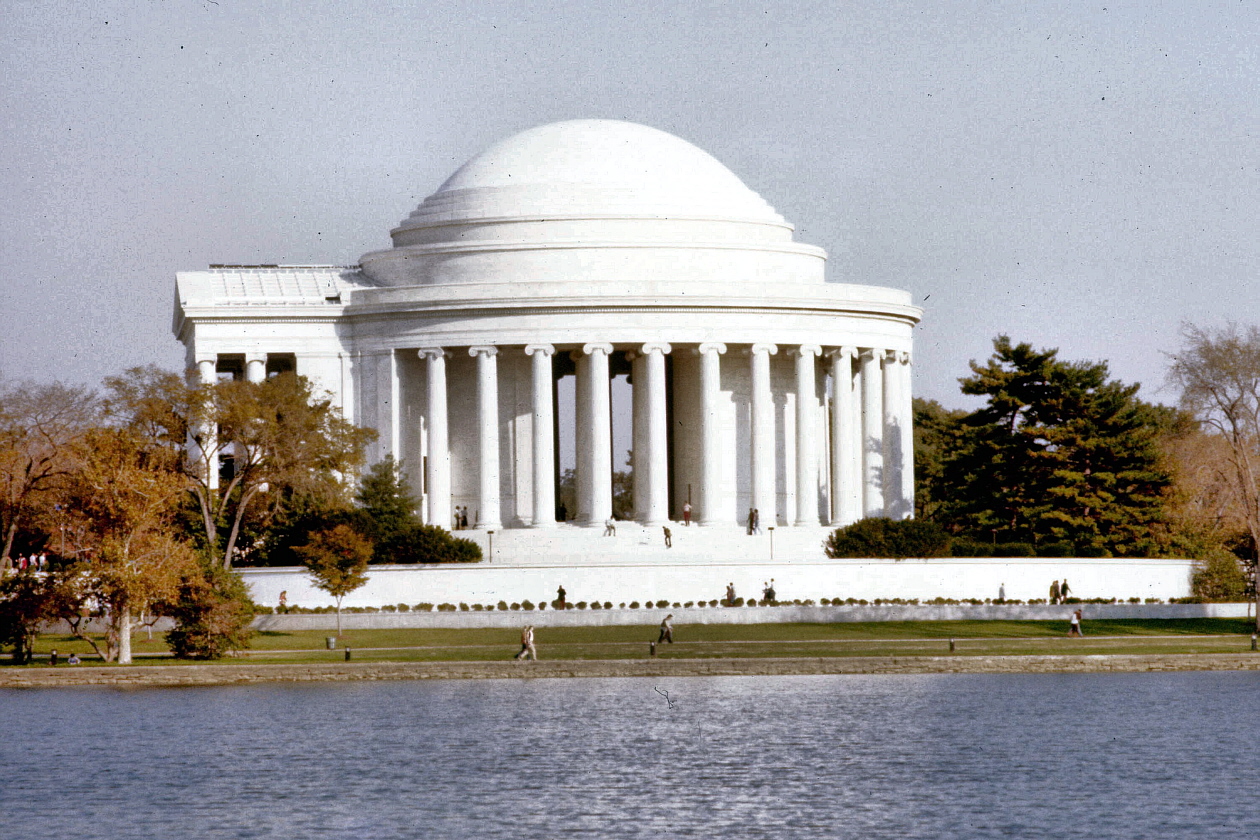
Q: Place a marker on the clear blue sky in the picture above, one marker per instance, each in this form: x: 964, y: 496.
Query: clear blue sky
x: 1078, y: 175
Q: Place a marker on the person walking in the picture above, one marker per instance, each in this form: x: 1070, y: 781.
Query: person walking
x: 1064, y: 589
x: 756, y: 521
x: 667, y: 630
x: 1002, y: 593
x: 669, y: 537
x: 560, y: 597
x: 1075, y: 628
x: 730, y: 594
x: 751, y: 518
x: 770, y: 593
x: 686, y: 514
x: 1054, y: 592
x: 527, y: 644
x: 610, y: 527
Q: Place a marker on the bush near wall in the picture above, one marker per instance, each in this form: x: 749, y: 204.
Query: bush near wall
x: 879, y: 537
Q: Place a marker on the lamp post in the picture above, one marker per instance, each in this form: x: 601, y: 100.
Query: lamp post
x: 771, y: 530
x: 489, y: 546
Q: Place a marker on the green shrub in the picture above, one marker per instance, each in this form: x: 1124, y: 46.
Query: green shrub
x: 1056, y: 549
x: 418, y: 543
x: 515, y: 605
x: 463, y: 607
x: 879, y: 537
x: 689, y: 604
x: 502, y: 605
x: 527, y: 605
x: 212, y: 614
x: 662, y: 604
x: 581, y: 605
x: 634, y: 605
x: 608, y: 605
x: 1219, y: 577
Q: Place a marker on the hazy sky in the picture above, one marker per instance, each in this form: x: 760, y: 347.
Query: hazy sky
x: 1078, y: 175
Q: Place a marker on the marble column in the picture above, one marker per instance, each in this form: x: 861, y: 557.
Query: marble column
x: 710, y: 431
x: 906, y: 430
x: 543, y: 440
x: 656, y: 462
x: 595, y: 414
x: 763, y: 446
x: 255, y: 368
x: 806, y: 435
x: 892, y: 435
x: 206, y: 437
x: 487, y: 436
x: 842, y: 473
x: 872, y: 433
x: 437, y: 465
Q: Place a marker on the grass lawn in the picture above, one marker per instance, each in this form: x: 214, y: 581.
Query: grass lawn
x: 891, y: 638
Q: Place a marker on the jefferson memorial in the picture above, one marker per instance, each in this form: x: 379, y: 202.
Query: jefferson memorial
x: 592, y: 249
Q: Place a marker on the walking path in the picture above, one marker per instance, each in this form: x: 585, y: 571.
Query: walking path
x: 155, y: 676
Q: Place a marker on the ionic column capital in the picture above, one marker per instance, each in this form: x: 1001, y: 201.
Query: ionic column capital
x: 655, y: 347
x: 486, y: 350
x: 432, y: 353
x: 597, y: 347
x: 845, y: 352
x: 541, y: 349
x: 807, y: 350
x: 711, y: 347
x: 904, y: 358
x: 890, y: 356
x: 769, y: 349
x: 867, y: 354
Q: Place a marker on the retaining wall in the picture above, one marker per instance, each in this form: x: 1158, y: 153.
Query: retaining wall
x: 957, y: 578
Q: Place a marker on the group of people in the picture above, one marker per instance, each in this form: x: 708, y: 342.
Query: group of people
x: 767, y: 591
x: 33, y: 563
x: 1059, y: 592
x: 461, y: 518
x: 754, y: 521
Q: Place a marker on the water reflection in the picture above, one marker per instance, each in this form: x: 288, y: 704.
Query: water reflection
x: 966, y: 756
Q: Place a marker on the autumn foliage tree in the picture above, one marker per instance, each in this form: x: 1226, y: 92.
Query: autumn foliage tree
x: 1218, y: 372
x: 41, y: 433
x: 123, y: 501
x: 337, y: 559
x: 283, y: 441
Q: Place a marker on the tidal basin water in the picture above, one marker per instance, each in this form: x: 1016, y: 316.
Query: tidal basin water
x: 940, y: 756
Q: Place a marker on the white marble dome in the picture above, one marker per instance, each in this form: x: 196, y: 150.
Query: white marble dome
x: 593, y: 200
x: 601, y: 168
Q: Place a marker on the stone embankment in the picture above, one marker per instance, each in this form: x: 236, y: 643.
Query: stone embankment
x: 167, y: 676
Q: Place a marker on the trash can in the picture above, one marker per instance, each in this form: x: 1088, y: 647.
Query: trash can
x: 331, y: 641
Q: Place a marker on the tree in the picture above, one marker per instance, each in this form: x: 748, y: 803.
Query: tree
x: 123, y: 501
x: 389, y: 509
x: 337, y: 560
x: 41, y: 427
x: 1059, y: 453
x: 212, y: 612
x: 1218, y: 372
x: 937, y: 431
x: 27, y: 601
x: 281, y: 440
